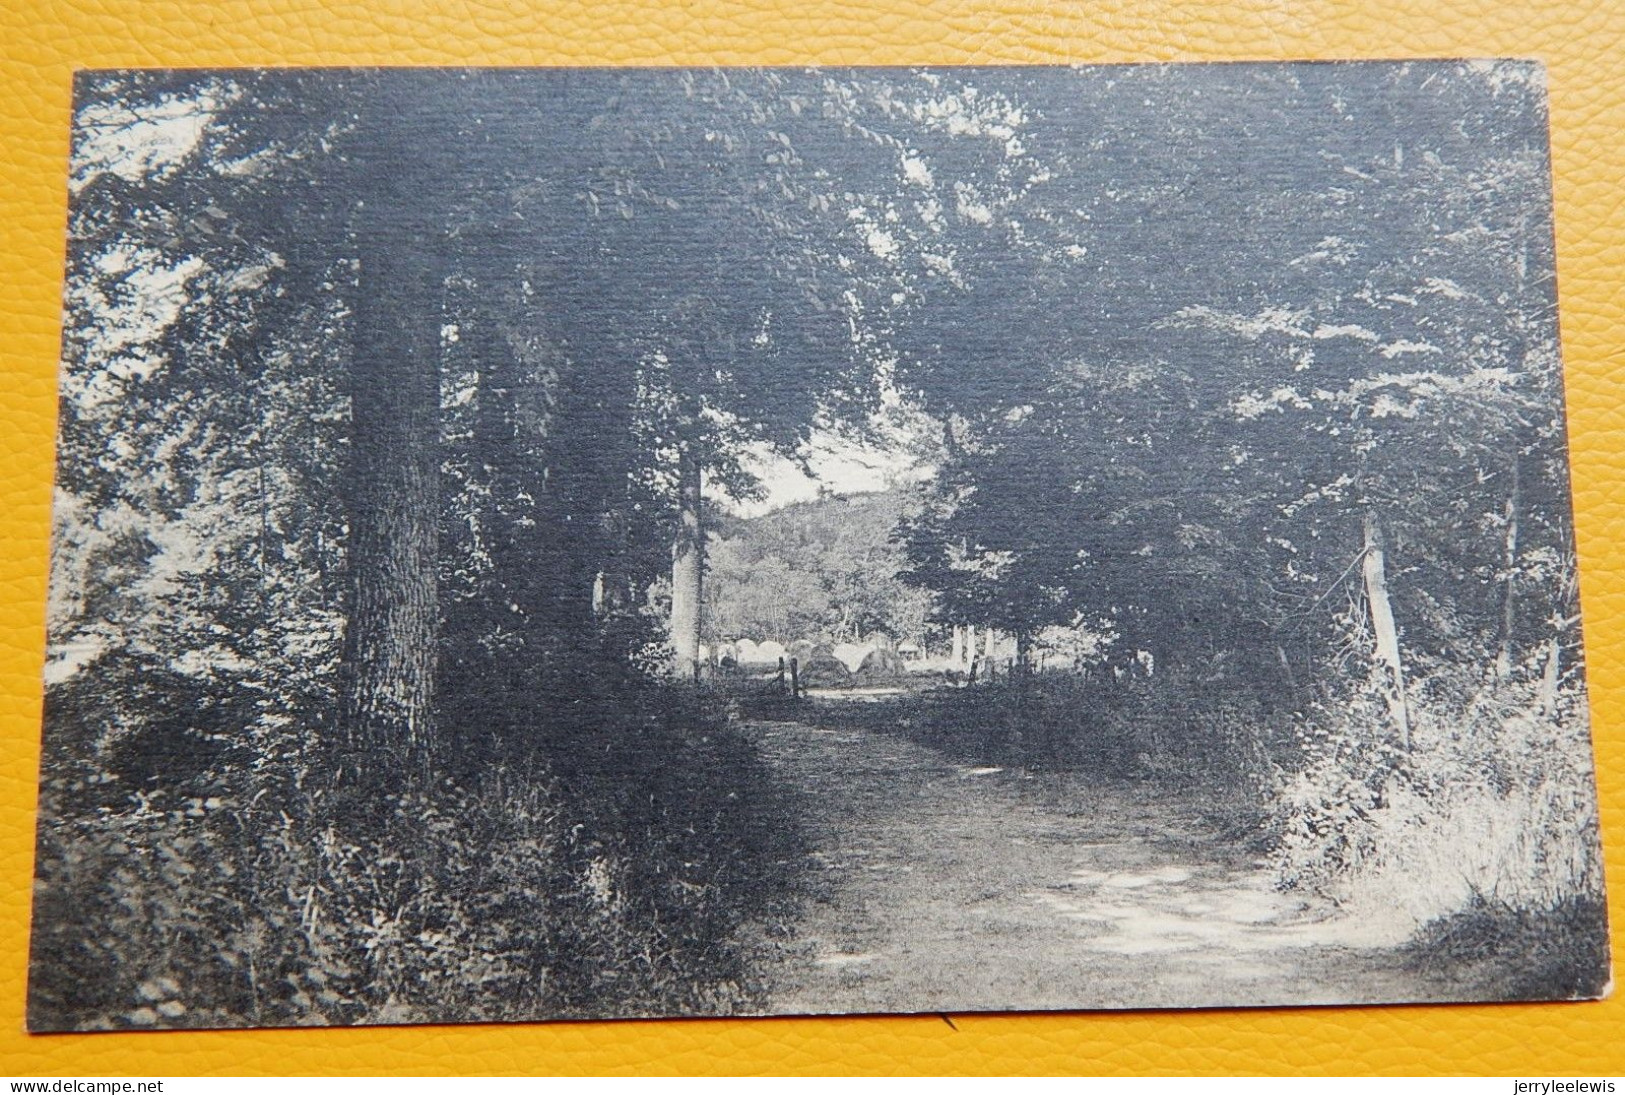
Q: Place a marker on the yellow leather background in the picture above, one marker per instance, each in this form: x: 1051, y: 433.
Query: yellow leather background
x: 1583, y: 45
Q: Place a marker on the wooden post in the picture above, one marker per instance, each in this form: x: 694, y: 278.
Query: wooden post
x: 781, y: 671
x: 1384, y: 631
x: 688, y: 562
x: 1551, y: 677
x: 795, y: 679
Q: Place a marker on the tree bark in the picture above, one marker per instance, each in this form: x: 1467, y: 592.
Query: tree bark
x: 391, y: 633
x: 1383, y: 629
x: 687, y: 564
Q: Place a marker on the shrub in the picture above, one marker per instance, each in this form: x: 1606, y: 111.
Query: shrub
x: 599, y: 863
x: 1490, y: 812
x: 1555, y: 953
x: 1174, y: 727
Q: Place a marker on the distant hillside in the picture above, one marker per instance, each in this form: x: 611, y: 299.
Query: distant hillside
x: 822, y: 570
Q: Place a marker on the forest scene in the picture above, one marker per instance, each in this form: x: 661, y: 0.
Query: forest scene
x: 616, y: 543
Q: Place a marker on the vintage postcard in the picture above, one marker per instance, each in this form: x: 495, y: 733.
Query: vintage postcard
x: 600, y: 543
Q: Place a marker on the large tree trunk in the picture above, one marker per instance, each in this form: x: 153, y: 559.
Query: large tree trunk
x: 390, y: 639
x: 1383, y: 629
x: 687, y: 564
x: 587, y: 523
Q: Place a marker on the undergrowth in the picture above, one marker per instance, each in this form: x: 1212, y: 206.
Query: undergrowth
x: 575, y: 859
x: 1558, y: 952
x: 1169, y: 728
x: 1478, y: 836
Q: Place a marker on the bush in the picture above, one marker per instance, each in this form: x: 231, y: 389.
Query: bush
x: 1554, y: 953
x: 1490, y: 810
x: 1171, y: 727
x: 1055, y: 722
x: 598, y: 861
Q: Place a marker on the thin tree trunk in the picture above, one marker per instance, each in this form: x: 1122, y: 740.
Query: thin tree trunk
x: 1286, y: 668
x: 391, y: 635
x: 1509, y: 605
x: 970, y: 644
x: 1551, y: 676
x: 687, y: 564
x: 1383, y: 629
x: 590, y: 488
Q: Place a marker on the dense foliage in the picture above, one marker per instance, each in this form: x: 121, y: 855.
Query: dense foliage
x: 826, y: 571
x: 1278, y: 419
x: 390, y: 400
x: 370, y: 421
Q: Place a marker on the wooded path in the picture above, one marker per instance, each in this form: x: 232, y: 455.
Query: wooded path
x: 942, y: 886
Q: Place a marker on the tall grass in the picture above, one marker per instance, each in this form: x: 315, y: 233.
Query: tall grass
x: 1484, y: 828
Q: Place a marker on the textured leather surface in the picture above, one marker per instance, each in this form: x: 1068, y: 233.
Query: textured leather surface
x: 1583, y: 46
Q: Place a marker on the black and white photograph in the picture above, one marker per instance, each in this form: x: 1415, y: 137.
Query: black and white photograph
x: 610, y: 543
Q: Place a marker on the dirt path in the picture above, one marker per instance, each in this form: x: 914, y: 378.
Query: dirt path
x: 945, y: 887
